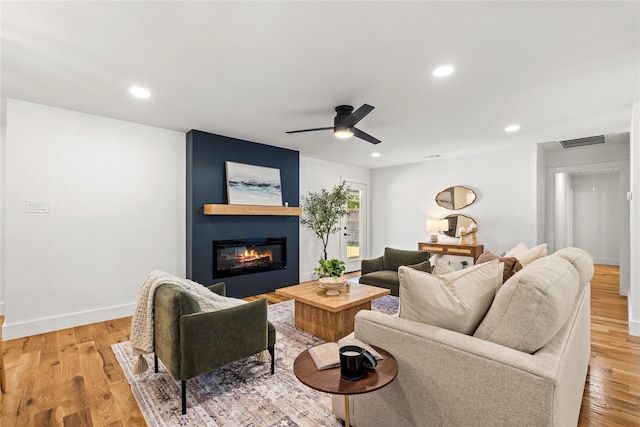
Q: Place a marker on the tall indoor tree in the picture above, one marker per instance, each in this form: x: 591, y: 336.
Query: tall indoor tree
x: 323, y: 210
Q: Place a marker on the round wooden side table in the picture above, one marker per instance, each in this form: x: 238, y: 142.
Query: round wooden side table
x: 330, y: 381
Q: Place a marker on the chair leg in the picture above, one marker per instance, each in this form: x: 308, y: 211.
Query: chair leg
x: 272, y: 352
x: 155, y: 362
x: 184, y: 397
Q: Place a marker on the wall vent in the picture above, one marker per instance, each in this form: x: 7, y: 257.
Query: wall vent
x: 583, y: 142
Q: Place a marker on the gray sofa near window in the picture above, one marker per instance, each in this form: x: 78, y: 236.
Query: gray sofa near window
x: 383, y: 271
x: 447, y: 378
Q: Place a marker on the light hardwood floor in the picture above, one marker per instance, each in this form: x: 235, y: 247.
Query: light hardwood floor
x: 71, y: 377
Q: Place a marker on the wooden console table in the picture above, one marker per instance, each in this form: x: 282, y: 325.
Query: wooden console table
x: 452, y: 249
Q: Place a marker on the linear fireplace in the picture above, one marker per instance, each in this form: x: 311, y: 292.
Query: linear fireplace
x: 248, y: 256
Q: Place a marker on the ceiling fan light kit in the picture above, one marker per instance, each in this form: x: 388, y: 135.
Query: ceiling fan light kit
x: 345, y: 121
x: 342, y: 131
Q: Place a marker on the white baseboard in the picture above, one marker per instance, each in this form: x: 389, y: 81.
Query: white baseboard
x: 606, y: 261
x: 634, y: 328
x: 1, y: 307
x: 41, y: 326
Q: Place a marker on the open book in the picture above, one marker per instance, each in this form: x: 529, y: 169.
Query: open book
x: 327, y: 355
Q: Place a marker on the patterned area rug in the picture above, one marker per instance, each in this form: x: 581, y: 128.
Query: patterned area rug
x: 242, y: 393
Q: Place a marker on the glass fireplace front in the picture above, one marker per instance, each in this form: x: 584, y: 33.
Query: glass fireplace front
x: 248, y: 256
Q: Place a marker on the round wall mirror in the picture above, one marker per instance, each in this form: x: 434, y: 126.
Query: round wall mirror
x: 455, y: 222
x: 456, y: 197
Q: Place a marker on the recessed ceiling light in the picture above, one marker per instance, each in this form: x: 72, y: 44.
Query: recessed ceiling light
x: 443, y: 71
x: 375, y: 154
x: 512, y: 128
x: 139, y: 92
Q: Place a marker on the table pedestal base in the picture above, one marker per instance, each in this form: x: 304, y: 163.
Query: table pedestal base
x: 325, y: 324
x: 346, y: 408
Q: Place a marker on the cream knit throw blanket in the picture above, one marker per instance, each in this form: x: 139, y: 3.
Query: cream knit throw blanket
x: 142, y: 323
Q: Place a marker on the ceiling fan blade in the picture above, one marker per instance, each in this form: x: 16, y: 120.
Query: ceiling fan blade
x: 309, y: 130
x: 362, y: 135
x: 359, y: 114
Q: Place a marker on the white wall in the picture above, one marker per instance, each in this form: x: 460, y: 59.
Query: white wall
x: 403, y: 198
x: 563, y: 201
x: 634, y: 211
x: 542, y: 193
x: 595, y: 219
x: 3, y: 137
x: 314, y: 175
x: 116, y: 195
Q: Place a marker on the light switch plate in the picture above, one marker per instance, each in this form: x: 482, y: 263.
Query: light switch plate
x: 36, y: 206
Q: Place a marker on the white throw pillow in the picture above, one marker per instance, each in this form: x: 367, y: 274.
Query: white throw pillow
x: 530, y: 255
x: 456, y: 301
x: 442, y: 267
x: 520, y: 247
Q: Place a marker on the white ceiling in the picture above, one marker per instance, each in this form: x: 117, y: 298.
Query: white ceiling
x: 253, y: 70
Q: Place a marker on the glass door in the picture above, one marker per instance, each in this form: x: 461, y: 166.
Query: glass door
x: 354, y: 229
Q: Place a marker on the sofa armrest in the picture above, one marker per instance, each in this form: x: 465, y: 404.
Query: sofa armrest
x: 210, y: 340
x: 371, y: 326
x: 460, y: 380
x: 371, y: 265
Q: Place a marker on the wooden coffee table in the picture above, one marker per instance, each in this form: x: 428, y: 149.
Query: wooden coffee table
x: 326, y: 316
x: 330, y: 381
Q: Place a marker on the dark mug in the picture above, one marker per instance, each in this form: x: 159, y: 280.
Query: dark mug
x: 351, y: 362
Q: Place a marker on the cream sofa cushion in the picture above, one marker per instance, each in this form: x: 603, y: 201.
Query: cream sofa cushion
x: 518, y: 249
x: 442, y: 267
x: 581, y: 261
x: 530, y: 255
x: 532, y: 306
x: 456, y: 301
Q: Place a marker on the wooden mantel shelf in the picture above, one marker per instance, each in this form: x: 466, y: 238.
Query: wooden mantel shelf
x: 211, y: 209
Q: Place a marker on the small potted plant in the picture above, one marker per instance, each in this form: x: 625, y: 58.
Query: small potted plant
x: 330, y: 272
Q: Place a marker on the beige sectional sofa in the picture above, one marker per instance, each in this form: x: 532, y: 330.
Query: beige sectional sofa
x: 448, y: 378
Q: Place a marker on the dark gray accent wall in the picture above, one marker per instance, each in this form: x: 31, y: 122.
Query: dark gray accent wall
x: 206, y: 183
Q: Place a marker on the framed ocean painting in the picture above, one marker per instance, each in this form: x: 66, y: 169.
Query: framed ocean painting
x: 253, y: 185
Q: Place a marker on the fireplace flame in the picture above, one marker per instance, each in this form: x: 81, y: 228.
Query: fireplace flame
x: 252, y: 254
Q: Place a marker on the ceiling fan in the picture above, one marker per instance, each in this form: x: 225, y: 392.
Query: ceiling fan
x: 345, y: 121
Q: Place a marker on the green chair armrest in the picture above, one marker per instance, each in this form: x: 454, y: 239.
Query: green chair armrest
x: 370, y: 265
x: 171, y: 302
x: 422, y: 266
x: 210, y: 340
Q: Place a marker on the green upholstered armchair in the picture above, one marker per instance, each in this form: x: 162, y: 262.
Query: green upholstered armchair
x: 190, y: 342
x: 383, y: 271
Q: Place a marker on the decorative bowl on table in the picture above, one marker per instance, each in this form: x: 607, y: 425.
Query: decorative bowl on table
x: 332, y: 284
